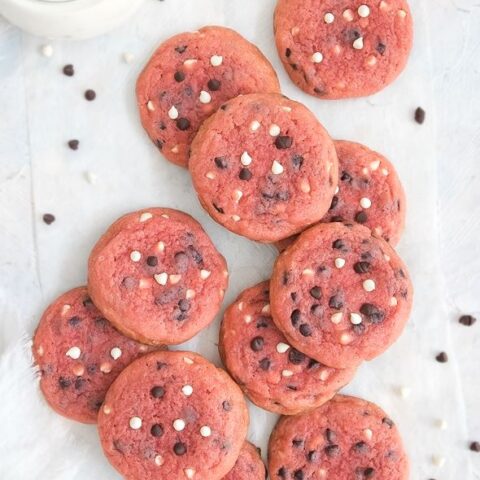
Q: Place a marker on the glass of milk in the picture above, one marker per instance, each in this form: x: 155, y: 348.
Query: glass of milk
x: 74, y: 19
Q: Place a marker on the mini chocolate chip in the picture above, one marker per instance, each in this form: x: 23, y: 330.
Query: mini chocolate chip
x: 156, y: 430
x: 312, y: 456
x: 48, y: 218
x: 265, y: 364
x: 282, y: 472
x: 316, y: 292
x: 292, y: 387
x: 288, y: 52
x: 101, y: 322
x: 319, y: 91
x: 361, y: 447
x: 74, y: 321
x: 316, y: 310
x: 262, y: 322
x: 312, y: 364
x: 337, y: 218
x: 87, y: 303
x: 295, y: 357
x: 218, y: 209
x: 361, y: 217
x: 352, y: 34
x: 184, y: 305
x: 339, y: 244
x: 296, y: 442
x: 79, y: 383
x: 224, y: 107
x: 226, y: 406
x: 183, y: 123
x: 297, y: 161
x: 387, y: 421
x: 68, y: 70
x: 161, y: 365
x: 298, y: 475
x: 305, y: 329
x: 374, y: 314
x: 221, y: 162
x: 294, y: 296
x: 152, y: 261
x: 420, y: 115
x: 64, y: 382
x: 369, y: 472
x: 91, y: 369
x: 336, y: 302
x: 159, y: 144
x: 179, y: 76
x: 73, y: 144
x: 380, y: 48
x: 362, y: 267
x: 330, y: 435
x: 157, y: 392
x: 245, y: 174
x: 332, y: 450
x: 475, y: 446
x: 180, y: 448
x: 467, y: 320
x: 90, y: 95
x: 442, y: 357
x: 181, y: 48
x: 295, y: 317
x: 359, y: 329
x: 334, y: 202
x: 257, y: 344
x: 346, y: 177
x: 282, y: 142
x: 214, y: 85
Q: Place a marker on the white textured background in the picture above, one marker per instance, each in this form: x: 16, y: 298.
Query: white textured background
x: 439, y: 163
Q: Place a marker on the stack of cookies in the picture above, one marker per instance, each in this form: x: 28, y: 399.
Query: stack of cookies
x: 264, y: 167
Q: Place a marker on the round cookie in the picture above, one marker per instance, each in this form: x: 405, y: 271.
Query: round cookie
x: 339, y: 49
x: 264, y: 167
x: 173, y: 415
x: 157, y: 276
x: 249, y: 465
x: 272, y: 374
x: 346, y: 439
x: 189, y: 76
x: 340, y: 295
x: 79, y: 354
x: 369, y: 192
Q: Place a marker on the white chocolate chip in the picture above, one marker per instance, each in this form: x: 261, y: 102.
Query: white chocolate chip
x: 237, y: 195
x: 329, y: 17
x: 295, y: 30
x: 368, y: 434
x: 78, y: 370
x: 164, y: 215
x: 47, y: 50
x: 287, y: 373
x: 161, y: 246
x: 355, y: 318
x: 128, y: 57
x: 175, y: 149
x: 216, y: 60
x: 145, y: 216
x: 254, y: 126
x: 384, y: 172
x: 358, y: 43
x: 336, y: 318
x: 150, y: 106
x: 339, y: 262
x: 442, y: 424
x: 205, y: 431
x: 308, y: 272
x: 282, y: 347
x: 266, y: 308
x: 346, y: 338
x: 115, y: 353
x: 205, y: 97
x: 173, y: 113
x: 286, y: 109
x: 404, y: 392
x: 402, y: 13
x: 190, y: 294
x: 245, y: 159
x: 240, y: 306
x: 74, y: 353
x: 190, y: 62
x: 386, y: 257
x: 188, y: 360
x: 274, y: 130
x: 161, y: 278
x: 107, y: 410
x: 363, y: 11
x: 135, y: 423
x: 393, y: 302
x: 179, y: 424
x: 174, y: 279
x: 369, y: 285
x: 384, y: 5
x: 371, y: 61
x: 210, y: 175
x: 438, y: 460
x: 135, y: 256
x: 365, y: 202
x: 144, y: 283
x: 324, y: 374
x: 204, y: 274
x: 65, y: 309
x: 348, y: 15
x: 277, y: 168
x: 248, y: 318
x: 236, y: 218
x: 337, y: 190
x: 317, y: 57
x: 305, y: 186
x: 189, y: 472
x: 105, y: 367
x: 159, y: 460
x: 40, y: 351
x: 187, y: 390
x: 374, y: 165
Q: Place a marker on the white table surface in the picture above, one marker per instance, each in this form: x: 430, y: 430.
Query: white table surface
x: 41, y: 109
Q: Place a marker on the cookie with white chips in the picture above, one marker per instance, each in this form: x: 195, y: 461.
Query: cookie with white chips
x: 173, y: 415
x: 272, y: 373
x: 156, y: 275
x: 189, y: 76
x: 264, y: 167
x: 340, y: 294
x: 79, y: 354
x: 339, y: 49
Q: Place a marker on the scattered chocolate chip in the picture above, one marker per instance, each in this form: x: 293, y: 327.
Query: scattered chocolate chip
x: 159, y: 144
x: 285, y: 278
x: 295, y: 317
x: 152, y: 261
x: 319, y: 91
x: 387, y: 421
x: 73, y: 144
x: 181, y: 48
x: 475, y: 446
x: 101, y: 322
x: 359, y: 329
x: 316, y: 292
x: 195, y: 254
x: 245, y: 174
x: 161, y: 365
x: 91, y: 369
x: 48, y: 218
x: 334, y: 202
x: 332, y: 450
x: 218, y: 209
x: 316, y: 310
x: 214, y: 85
x: 221, y: 162
x: 156, y: 430
x: 305, y: 329
x: 179, y: 76
x: 180, y: 448
x: 330, y: 435
x: 74, y: 321
x: 442, y: 357
x: 467, y: 320
x: 362, y: 267
x: 90, y: 95
x: 374, y: 314
x: 346, y: 177
x: 380, y: 48
x: 297, y: 443
x: 336, y: 302
x: 312, y: 456
x: 339, y: 245
x: 64, y: 382
x: 257, y: 344
x: 183, y: 123
x: 87, y: 303
x: 369, y: 472
x: 297, y: 161
x: 298, y: 475
x: 184, y: 305
x: 282, y: 142
x: 288, y: 52
x: 420, y: 115
x: 361, y: 447
x: 295, y: 357
x: 265, y: 364
x: 282, y: 472
x: 262, y: 322
x: 226, y: 406
x: 129, y: 283
x: 294, y: 66
x: 157, y: 392
x: 68, y: 70
x: 361, y: 217
x: 79, y: 383
x: 293, y: 296
x: 312, y: 364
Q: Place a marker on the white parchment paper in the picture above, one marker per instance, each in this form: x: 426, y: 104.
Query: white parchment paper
x: 41, y: 109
